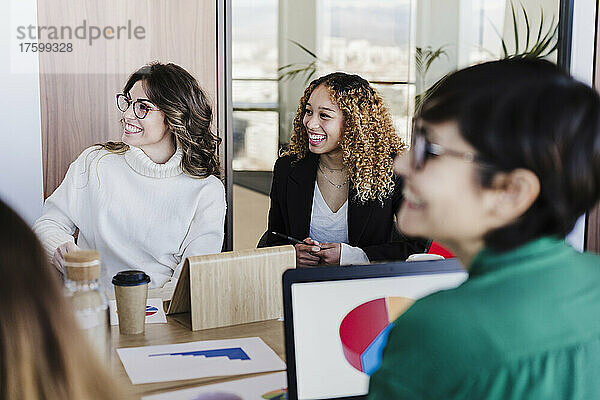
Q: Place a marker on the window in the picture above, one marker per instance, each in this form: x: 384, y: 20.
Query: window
x: 254, y: 86
x: 401, y: 46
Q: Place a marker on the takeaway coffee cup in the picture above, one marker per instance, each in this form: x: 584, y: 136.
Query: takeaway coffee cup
x: 131, y: 292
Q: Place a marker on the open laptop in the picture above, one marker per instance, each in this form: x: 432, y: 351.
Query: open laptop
x: 337, y: 320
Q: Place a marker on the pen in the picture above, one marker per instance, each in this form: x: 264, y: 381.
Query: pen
x: 291, y: 239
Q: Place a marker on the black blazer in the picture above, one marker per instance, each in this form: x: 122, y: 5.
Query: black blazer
x: 370, y: 225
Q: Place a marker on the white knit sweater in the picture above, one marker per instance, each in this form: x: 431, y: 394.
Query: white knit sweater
x: 136, y: 213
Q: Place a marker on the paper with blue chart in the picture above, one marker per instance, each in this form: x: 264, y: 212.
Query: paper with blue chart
x: 203, y: 359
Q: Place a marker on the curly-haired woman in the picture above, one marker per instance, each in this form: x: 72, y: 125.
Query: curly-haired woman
x: 153, y: 199
x: 334, y: 184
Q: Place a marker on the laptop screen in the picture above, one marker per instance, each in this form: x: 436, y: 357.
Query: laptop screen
x: 340, y: 324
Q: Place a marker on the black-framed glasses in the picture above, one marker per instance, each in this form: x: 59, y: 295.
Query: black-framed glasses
x: 140, y: 108
x: 422, y: 149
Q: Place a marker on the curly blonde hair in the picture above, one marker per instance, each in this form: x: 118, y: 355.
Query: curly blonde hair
x: 188, y: 115
x: 369, y: 141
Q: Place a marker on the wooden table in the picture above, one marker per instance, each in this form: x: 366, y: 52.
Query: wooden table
x: 271, y: 332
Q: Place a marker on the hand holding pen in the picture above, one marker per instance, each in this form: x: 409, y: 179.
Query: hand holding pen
x: 305, y: 250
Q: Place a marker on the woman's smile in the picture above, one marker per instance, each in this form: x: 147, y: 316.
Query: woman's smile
x: 131, y: 129
x: 315, y: 138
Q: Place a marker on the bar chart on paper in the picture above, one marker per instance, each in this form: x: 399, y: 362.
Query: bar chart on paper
x: 363, y: 331
x: 199, y: 360
x: 233, y: 353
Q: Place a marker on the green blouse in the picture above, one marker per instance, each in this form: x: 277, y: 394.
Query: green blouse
x: 525, y: 325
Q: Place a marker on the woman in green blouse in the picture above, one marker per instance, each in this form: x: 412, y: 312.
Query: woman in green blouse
x: 505, y: 158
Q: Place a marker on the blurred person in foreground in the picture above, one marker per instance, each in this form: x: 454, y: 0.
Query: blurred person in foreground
x: 43, y: 354
x: 505, y: 158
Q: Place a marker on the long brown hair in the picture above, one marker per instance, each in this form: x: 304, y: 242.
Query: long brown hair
x: 188, y: 116
x: 43, y: 355
x: 369, y: 140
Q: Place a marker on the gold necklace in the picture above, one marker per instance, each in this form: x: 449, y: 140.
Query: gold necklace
x: 336, y: 185
x: 332, y: 170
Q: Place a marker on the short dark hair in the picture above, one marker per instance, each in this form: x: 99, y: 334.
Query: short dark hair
x: 527, y: 113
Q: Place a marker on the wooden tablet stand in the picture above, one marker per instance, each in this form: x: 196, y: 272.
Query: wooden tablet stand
x: 231, y: 288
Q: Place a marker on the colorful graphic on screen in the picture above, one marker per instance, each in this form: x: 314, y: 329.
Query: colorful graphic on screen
x: 364, y: 331
x: 279, y: 394
x: 151, y: 310
x: 233, y: 353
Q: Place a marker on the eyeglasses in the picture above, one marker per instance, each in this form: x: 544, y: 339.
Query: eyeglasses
x: 140, y: 109
x: 422, y: 149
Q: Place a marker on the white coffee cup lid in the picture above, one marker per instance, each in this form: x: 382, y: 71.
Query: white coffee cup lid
x: 424, y: 257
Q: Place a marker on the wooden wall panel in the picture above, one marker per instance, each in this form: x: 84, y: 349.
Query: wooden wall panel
x: 78, y: 88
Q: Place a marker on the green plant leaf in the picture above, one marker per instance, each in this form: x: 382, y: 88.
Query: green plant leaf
x: 527, y: 26
x: 310, y: 76
x: 539, y: 35
x: 552, y: 37
x: 546, y: 41
x: 515, y: 27
x: 502, y: 41
x: 555, y: 47
x: 313, y: 55
x: 543, y: 44
x: 419, y: 60
x: 291, y: 71
x: 432, y: 56
x: 284, y: 67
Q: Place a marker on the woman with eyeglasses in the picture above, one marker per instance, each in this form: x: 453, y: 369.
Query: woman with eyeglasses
x: 505, y: 158
x: 152, y: 199
x: 334, y: 187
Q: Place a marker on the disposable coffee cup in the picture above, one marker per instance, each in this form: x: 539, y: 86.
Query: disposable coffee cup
x: 131, y: 292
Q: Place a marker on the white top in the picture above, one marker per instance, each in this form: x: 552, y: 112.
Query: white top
x: 136, y: 213
x: 327, y: 226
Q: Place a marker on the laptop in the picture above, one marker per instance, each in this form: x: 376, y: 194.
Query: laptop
x: 337, y: 319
